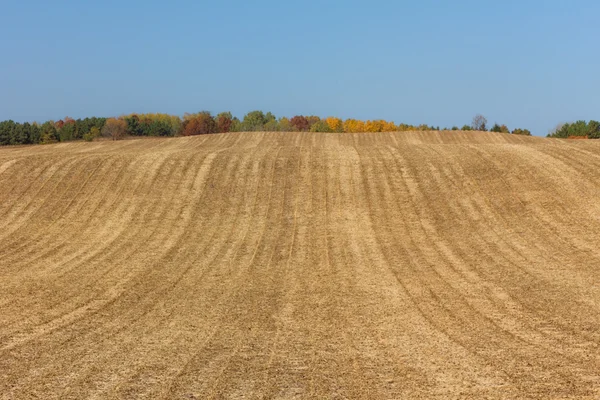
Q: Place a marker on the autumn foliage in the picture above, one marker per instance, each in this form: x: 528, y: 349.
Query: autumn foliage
x: 114, y: 128
x: 335, y: 124
x: 224, y: 122
x: 300, y: 123
x: 201, y: 123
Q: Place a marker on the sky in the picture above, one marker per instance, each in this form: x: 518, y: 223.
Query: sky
x: 527, y: 64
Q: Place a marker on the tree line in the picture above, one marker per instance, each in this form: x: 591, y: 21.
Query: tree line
x: 583, y: 129
x: 158, y: 124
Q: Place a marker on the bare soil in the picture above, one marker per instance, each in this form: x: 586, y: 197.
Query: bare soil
x: 301, y: 265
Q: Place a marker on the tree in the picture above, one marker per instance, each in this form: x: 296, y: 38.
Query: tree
x: 159, y: 128
x: 312, y: 119
x: 153, y: 124
x: 524, y: 132
x: 405, y: 127
x: 66, y: 129
x: 285, y: 125
x: 224, y: 122
x: 300, y: 123
x: 26, y: 134
x: 48, y: 133
x: 33, y: 132
x: 479, y: 123
x: 271, y: 125
x: 83, y: 126
x: 466, y: 128
x: 92, y: 134
x: 6, y: 132
x: 500, y: 128
x: 114, y: 128
x: 199, y: 124
x: 389, y: 127
x: 133, y: 125
x: 256, y: 120
x: 594, y: 129
x: 374, y: 126
x: 555, y: 131
x: 320, y: 126
x: 354, y: 125
x: 590, y: 129
x: 191, y: 127
x: 207, y: 123
x: 335, y: 124
x: 236, y: 125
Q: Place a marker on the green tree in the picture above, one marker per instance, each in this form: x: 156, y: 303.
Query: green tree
x: 577, y: 128
x: 48, y: 133
x: 255, y: 121
x: 133, y: 125
x: 83, y: 126
x: 594, y: 129
x: 92, y: 134
x: 320, y: 126
x: 33, y: 133
x: 500, y: 128
x: 6, y: 132
x: 519, y: 131
x: 236, y: 125
x: 19, y: 134
x: 272, y: 125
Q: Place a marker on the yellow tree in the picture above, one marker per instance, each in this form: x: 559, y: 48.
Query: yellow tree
x: 114, y: 128
x: 374, y: 126
x: 389, y: 126
x: 284, y: 124
x: 405, y: 127
x: 335, y: 124
x: 354, y: 125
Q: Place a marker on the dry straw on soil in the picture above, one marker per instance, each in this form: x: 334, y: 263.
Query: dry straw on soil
x: 269, y: 265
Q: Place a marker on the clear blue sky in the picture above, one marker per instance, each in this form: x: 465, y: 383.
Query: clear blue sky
x: 528, y: 64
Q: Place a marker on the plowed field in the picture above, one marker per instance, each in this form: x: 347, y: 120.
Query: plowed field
x: 301, y: 265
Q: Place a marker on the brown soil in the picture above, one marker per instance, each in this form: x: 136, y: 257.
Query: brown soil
x: 301, y: 265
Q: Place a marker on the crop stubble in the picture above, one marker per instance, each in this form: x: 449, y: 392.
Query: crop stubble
x: 301, y: 265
